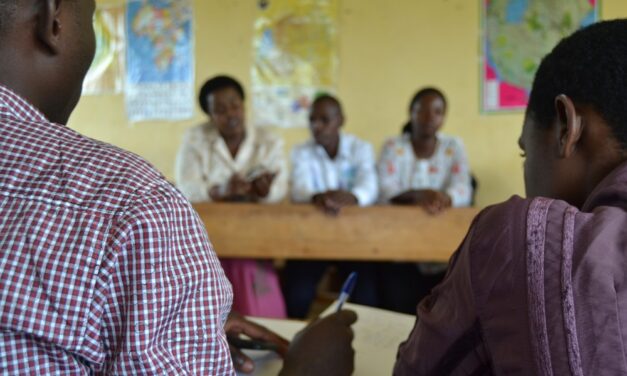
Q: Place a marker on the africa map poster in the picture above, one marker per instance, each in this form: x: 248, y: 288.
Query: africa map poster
x: 516, y: 35
x: 160, y: 60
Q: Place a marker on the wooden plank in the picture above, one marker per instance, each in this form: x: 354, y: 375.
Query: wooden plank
x: 295, y: 231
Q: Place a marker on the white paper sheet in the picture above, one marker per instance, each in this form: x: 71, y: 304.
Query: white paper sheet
x: 377, y: 336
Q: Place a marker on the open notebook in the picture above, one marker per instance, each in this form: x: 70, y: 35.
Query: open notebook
x: 377, y: 336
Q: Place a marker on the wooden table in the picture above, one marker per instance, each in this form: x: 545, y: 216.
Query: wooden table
x: 294, y: 231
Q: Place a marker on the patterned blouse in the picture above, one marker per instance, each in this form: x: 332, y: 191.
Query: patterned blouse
x: 446, y: 171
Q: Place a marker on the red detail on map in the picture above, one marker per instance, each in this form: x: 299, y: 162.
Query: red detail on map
x: 490, y: 74
x: 512, y: 96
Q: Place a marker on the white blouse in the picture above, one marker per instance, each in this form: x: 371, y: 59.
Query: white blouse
x: 446, y: 171
x: 204, y: 161
x: 352, y: 169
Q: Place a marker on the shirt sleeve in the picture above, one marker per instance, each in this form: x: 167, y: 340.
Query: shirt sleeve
x: 446, y: 330
x: 476, y: 321
x: 168, y: 297
x: 388, y: 168
x: 365, y: 187
x: 302, y: 187
x: 459, y: 187
x: 276, y: 163
x: 189, y: 173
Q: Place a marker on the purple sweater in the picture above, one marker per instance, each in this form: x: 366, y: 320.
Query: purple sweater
x: 537, y: 287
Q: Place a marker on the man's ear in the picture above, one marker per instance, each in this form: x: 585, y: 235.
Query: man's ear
x: 49, y: 24
x: 570, y: 125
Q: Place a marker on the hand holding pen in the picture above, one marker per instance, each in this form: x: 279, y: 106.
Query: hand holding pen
x: 324, y: 347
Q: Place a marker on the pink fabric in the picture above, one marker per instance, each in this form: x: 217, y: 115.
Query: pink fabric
x: 256, y: 288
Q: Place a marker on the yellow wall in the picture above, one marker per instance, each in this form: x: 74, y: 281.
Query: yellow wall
x: 388, y: 49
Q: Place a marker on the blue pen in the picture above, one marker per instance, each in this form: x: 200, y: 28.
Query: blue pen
x: 347, y: 289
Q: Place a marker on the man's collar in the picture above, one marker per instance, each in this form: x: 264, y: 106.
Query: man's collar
x: 343, y: 149
x: 17, y: 107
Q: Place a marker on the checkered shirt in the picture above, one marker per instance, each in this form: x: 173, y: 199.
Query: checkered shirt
x: 104, y: 267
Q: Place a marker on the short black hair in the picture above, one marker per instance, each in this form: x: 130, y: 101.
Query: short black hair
x: 590, y: 67
x: 217, y: 83
x: 418, y: 96
x: 328, y: 97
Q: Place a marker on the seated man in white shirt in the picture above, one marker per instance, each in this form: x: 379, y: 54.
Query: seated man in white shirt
x: 332, y: 170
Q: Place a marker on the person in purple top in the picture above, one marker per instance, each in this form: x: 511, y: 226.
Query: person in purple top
x: 539, y: 285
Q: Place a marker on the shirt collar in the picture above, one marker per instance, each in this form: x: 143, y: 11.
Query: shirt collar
x: 213, y: 134
x: 343, y: 149
x: 216, y: 140
x: 611, y: 191
x: 17, y: 107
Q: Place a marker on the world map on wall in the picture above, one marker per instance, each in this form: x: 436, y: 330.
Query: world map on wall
x: 159, y: 32
x: 517, y: 34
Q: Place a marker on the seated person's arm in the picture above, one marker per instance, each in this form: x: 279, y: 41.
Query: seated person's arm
x: 274, y: 189
x: 366, y: 186
x: 459, y: 188
x: 447, y: 333
x: 189, y: 176
x: 167, y: 292
x: 236, y: 325
x: 323, y: 348
x: 331, y: 202
x: 302, y: 185
x: 389, y: 172
x: 433, y: 201
x: 237, y: 189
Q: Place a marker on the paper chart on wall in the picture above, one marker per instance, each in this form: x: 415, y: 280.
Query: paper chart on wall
x: 106, y: 74
x: 295, y: 48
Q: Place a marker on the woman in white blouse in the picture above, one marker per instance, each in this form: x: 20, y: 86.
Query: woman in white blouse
x: 425, y: 168
x: 223, y: 160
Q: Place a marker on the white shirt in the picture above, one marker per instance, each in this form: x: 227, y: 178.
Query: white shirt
x: 204, y: 161
x: 352, y: 169
x: 446, y: 171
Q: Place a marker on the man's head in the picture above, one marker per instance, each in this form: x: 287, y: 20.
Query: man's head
x: 46, y: 48
x: 325, y: 120
x: 575, y: 129
x: 222, y: 98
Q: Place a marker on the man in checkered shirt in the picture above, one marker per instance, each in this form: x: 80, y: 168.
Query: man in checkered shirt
x: 104, y: 267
